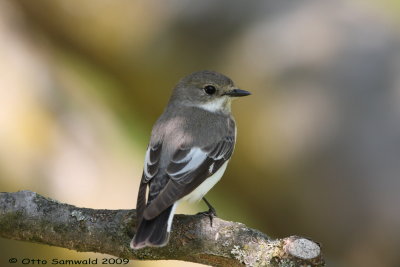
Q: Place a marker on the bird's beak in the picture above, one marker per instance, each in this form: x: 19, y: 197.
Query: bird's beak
x: 237, y: 92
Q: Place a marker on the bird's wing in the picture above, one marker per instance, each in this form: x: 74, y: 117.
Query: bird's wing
x: 188, y: 168
x: 187, y: 161
x: 151, y: 162
x: 151, y: 167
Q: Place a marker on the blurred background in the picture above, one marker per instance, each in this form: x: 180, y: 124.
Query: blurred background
x: 318, y: 151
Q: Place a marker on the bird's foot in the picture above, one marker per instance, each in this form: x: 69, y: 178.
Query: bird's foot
x: 211, y: 212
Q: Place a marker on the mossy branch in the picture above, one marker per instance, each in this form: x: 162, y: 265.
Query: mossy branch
x: 28, y: 216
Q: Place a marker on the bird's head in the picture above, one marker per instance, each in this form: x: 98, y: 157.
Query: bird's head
x: 209, y: 90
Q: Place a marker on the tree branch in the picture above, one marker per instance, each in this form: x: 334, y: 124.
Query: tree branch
x: 27, y: 216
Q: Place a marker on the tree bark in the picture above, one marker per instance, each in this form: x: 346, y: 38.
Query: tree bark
x: 28, y: 216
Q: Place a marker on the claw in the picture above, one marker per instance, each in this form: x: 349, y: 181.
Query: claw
x: 211, y: 213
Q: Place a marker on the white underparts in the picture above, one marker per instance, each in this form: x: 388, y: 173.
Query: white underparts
x: 198, y: 193
x: 203, y: 188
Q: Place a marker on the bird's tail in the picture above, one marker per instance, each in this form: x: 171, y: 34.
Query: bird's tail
x: 155, y: 232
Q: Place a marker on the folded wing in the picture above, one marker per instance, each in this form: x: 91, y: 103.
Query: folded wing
x: 188, y: 168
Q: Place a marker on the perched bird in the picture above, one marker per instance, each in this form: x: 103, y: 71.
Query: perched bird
x: 190, y: 146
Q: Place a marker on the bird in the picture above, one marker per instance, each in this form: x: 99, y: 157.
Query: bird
x: 190, y: 146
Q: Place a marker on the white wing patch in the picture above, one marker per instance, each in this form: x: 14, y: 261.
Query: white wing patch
x: 171, y: 217
x: 210, y: 170
x: 147, y: 163
x: 194, y: 158
x: 151, y: 161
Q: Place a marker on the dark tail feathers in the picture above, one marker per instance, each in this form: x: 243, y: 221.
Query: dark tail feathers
x: 152, y: 233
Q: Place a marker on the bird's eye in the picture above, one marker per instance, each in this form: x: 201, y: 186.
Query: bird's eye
x: 210, y: 90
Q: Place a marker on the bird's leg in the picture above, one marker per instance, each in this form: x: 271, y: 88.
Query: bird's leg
x: 211, y: 209
x: 211, y: 213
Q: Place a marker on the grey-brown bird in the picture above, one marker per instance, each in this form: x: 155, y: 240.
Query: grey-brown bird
x: 190, y: 146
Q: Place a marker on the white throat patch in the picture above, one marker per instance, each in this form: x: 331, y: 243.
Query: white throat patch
x: 218, y: 104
